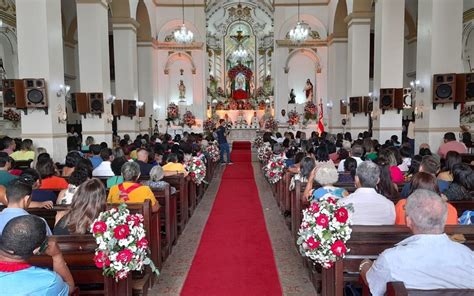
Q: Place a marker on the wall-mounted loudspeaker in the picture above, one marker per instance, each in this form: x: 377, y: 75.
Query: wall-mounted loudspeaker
x: 343, y: 107
x: 465, y: 87
x: 81, y: 102
x: 444, y: 88
x: 355, y: 104
x: 96, y: 103
x: 35, y: 93
x: 391, y: 98
x: 141, y: 111
x: 117, y: 108
x: 129, y: 108
x: 13, y: 93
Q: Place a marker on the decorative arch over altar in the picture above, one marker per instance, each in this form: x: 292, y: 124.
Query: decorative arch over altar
x: 241, y: 80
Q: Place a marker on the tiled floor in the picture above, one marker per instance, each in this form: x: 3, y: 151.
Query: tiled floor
x: 293, y: 276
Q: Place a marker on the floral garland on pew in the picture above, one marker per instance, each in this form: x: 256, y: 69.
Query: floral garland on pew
x: 213, y: 151
x: 264, y: 153
x: 196, y: 169
x: 325, y: 231
x: 121, y: 243
x: 258, y: 142
x: 274, y: 168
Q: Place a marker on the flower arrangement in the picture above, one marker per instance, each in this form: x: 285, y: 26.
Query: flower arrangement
x: 258, y: 142
x: 293, y: 117
x: 262, y: 105
x: 213, y: 151
x: 11, y: 115
x: 220, y: 106
x: 189, y: 119
x: 209, y: 125
x: 324, y: 231
x: 233, y: 105
x: 196, y: 169
x: 274, y: 169
x: 264, y: 153
x: 121, y: 243
x: 310, y: 111
x: 271, y: 124
x: 172, y: 112
x: 220, y: 92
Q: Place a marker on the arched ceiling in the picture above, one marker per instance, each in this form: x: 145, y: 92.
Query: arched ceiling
x: 340, y: 26
x: 144, y: 30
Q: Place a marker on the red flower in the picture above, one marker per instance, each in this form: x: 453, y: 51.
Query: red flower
x: 121, y: 231
x: 198, y: 162
x: 135, y: 218
x: 338, y: 248
x: 125, y: 256
x: 101, y: 260
x: 323, y: 221
x: 99, y: 227
x: 272, y: 174
x: 314, y: 207
x: 192, y: 174
x: 202, y: 173
x: 280, y: 162
x: 331, y: 200
x: 273, y: 165
x: 341, y: 215
x: 312, y: 244
x: 143, y: 243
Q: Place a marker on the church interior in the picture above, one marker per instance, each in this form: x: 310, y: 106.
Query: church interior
x: 215, y: 91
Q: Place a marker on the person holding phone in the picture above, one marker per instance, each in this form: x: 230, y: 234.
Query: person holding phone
x: 23, y: 237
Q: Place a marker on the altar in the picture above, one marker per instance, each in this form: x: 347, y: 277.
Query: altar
x: 242, y: 134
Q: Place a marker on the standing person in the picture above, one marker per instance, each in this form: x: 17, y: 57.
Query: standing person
x: 222, y: 133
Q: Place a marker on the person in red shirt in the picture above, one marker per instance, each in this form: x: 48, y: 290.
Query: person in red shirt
x: 450, y: 144
x: 49, y: 180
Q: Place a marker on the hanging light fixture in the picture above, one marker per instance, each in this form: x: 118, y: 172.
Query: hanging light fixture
x: 300, y: 32
x: 240, y: 54
x: 183, y: 35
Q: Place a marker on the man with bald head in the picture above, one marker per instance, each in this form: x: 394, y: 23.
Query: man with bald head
x: 142, y: 160
x: 426, y: 260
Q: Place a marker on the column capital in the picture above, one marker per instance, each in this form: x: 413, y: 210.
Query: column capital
x: 337, y: 38
x: 358, y: 18
x: 104, y: 3
x: 147, y: 43
x: 124, y: 23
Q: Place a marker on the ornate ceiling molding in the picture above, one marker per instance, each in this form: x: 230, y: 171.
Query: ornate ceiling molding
x: 8, y: 12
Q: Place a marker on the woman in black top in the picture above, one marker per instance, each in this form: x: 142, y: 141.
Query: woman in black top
x: 462, y: 187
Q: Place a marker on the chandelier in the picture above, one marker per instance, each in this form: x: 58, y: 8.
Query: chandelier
x: 183, y: 35
x: 240, y: 54
x: 300, y: 32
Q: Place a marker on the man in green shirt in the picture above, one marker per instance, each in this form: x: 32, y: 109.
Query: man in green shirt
x: 5, y: 165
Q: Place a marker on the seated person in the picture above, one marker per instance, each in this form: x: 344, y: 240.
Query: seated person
x: 22, y: 238
x: 47, y: 171
x: 350, y: 166
x: 305, y: 167
x: 356, y: 152
x: 116, y: 166
x: 5, y: 166
x: 18, y: 195
x: 95, y: 159
x: 428, y: 259
x: 425, y: 181
x: 104, y: 168
x: 296, y: 167
x: 462, y: 187
x: 452, y: 158
x: 369, y: 207
x: 172, y: 166
x: 155, y: 182
x: 430, y: 165
x: 89, y: 201
x: 130, y: 191
x: 78, y: 177
x: 39, y: 198
x: 72, y: 160
x: 325, y: 175
x: 142, y: 161
x: 26, y: 152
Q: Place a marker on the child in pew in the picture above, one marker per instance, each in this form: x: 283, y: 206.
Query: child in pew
x: 89, y: 201
x: 18, y: 197
x: 130, y: 191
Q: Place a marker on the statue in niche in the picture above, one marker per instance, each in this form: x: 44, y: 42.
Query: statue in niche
x: 240, y: 82
x: 292, y: 97
x: 254, y: 122
x: 182, y: 90
x: 308, y: 89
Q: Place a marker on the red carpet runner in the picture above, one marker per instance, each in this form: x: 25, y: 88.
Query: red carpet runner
x: 235, y: 256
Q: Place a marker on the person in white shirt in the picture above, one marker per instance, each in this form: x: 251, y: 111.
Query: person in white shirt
x: 104, y: 169
x: 426, y: 260
x: 356, y: 152
x: 369, y: 207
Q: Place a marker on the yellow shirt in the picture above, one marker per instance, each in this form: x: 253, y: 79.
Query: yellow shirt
x: 174, y: 167
x: 23, y: 155
x: 137, y: 195
x: 133, y: 154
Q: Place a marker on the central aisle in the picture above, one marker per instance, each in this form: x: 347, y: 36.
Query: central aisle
x: 235, y: 256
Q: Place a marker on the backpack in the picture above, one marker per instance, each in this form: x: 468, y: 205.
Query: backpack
x: 123, y: 193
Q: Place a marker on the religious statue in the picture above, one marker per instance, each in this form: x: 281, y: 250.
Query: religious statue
x: 240, y: 82
x: 292, y: 97
x: 182, y: 90
x: 254, y: 122
x: 308, y: 89
x: 240, y: 121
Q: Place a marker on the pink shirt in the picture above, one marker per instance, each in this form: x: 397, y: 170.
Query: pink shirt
x: 397, y: 175
x: 451, y: 146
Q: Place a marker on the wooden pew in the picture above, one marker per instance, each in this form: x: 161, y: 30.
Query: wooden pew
x: 22, y: 164
x: 369, y: 242
x: 168, y: 220
x: 192, y: 196
x: 181, y: 184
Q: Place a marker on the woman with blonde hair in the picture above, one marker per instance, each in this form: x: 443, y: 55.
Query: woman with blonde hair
x: 326, y: 175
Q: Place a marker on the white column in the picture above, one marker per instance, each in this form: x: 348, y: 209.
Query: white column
x: 438, y: 51
x: 126, y: 81
x: 358, y: 60
x: 40, y: 55
x: 94, y: 71
x: 388, y: 69
x: 147, y: 80
x: 337, y: 81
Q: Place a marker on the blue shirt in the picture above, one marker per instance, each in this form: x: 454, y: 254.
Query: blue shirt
x: 221, y: 139
x: 330, y: 191
x: 33, y: 281
x: 95, y: 160
x: 9, y: 213
x: 442, y: 185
